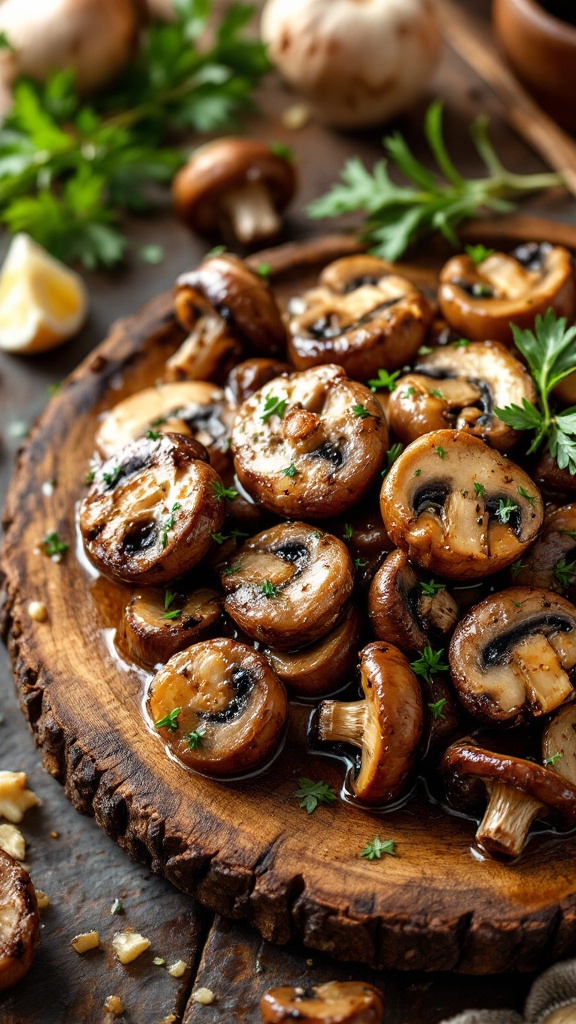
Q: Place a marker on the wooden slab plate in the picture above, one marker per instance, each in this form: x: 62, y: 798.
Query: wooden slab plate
x: 244, y: 849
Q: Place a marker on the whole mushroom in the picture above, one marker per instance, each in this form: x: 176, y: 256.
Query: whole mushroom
x: 406, y: 608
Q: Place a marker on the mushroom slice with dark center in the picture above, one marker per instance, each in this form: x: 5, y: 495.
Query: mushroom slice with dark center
x: 459, y: 508
x: 551, y: 561
x: 362, y: 316
x: 406, y: 608
x: 322, y: 667
x: 19, y: 921
x: 386, y: 726
x: 481, y: 300
x: 519, y: 791
x: 310, y: 444
x: 158, y: 623
x: 288, y: 586
x: 151, y: 509
x: 511, y: 655
x: 559, y: 742
x: 552, y: 998
x: 219, y: 707
x: 460, y: 386
x: 335, y: 1002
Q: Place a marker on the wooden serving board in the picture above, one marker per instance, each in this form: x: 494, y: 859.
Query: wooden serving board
x: 244, y: 849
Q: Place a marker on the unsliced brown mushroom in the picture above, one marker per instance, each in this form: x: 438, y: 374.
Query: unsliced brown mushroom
x: 362, y: 316
x: 219, y: 707
x: 459, y: 386
x: 481, y: 300
x: 335, y: 1002
x: 326, y: 665
x: 458, y: 507
x: 158, y: 623
x: 552, y: 998
x: 559, y: 742
x: 519, y: 791
x: 551, y: 561
x: 406, y: 608
x: 309, y: 444
x: 288, y: 585
x: 248, y: 377
x: 386, y: 726
x: 242, y: 185
x: 151, y: 509
x: 19, y: 921
x: 511, y: 654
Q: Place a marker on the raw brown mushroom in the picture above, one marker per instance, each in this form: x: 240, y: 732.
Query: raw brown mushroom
x: 480, y: 300
x: 151, y: 509
x: 288, y: 585
x: 238, y: 184
x: 552, y: 998
x: 459, y: 386
x: 219, y: 707
x: 458, y: 507
x: 551, y: 562
x: 408, y: 609
x: 511, y: 654
x: 309, y: 444
x: 386, y: 726
x: 158, y: 623
x: 519, y: 791
x: 326, y: 665
x: 19, y: 921
x: 335, y: 1002
x: 362, y: 316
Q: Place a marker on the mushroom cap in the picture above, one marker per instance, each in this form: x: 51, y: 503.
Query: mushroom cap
x: 396, y: 608
x: 249, y: 376
x: 219, y: 167
x: 153, y: 629
x: 554, y: 548
x: 335, y: 1002
x: 559, y: 737
x: 19, y: 921
x: 433, y: 509
x: 509, y: 656
x: 553, y: 989
x: 324, y: 666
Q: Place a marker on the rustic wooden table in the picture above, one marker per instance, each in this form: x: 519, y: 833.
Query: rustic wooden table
x: 82, y: 871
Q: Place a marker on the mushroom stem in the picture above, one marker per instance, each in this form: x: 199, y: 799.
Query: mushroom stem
x: 203, y: 352
x: 547, y: 684
x: 341, y: 722
x: 440, y: 610
x: 506, y: 822
x: 251, y: 212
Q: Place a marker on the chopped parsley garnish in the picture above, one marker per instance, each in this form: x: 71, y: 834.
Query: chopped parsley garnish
x: 268, y: 589
x: 273, y: 407
x: 361, y: 412
x: 88, y: 479
x: 290, y: 470
x: 195, y: 738
x: 429, y: 662
x: 479, y: 490
x: 377, y: 847
x: 169, y: 524
x: 552, y: 760
x: 219, y: 538
x: 478, y: 253
x: 524, y: 494
x: 440, y: 451
x: 461, y: 343
x: 417, y: 472
x: 505, y: 509
x: 347, y: 531
x: 437, y: 707
x: 153, y: 435
x: 53, y: 546
x: 232, y: 569
x: 360, y: 563
x: 220, y: 491
x: 517, y: 567
x: 264, y: 270
x: 391, y: 456
x: 170, y: 721
x: 174, y: 614
x: 112, y: 478
x: 384, y: 380
x: 564, y: 573
x: 431, y: 588
x: 311, y: 793
x: 436, y: 393
x: 409, y: 392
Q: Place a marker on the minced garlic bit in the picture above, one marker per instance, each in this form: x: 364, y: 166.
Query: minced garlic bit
x: 114, y: 1004
x: 12, y: 841
x: 170, y: 1018
x: 128, y: 945
x: 204, y: 996
x: 159, y: 961
x: 178, y: 969
x: 42, y: 899
x: 55, y: 835
x: 38, y: 611
x: 85, y: 941
x: 15, y: 799
x: 296, y: 116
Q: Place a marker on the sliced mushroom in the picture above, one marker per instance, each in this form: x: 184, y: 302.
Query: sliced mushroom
x: 386, y: 726
x: 407, y: 609
x: 362, y: 316
x: 151, y: 509
x: 309, y: 444
x: 228, y: 309
x: 552, y: 998
x: 458, y: 507
x: 194, y: 408
x: 158, y: 623
x: 481, y: 300
x: 326, y: 665
x: 219, y: 707
x: 237, y: 184
x: 335, y: 1002
x: 510, y: 655
x: 460, y: 386
x: 519, y: 791
x: 551, y: 562
x: 288, y: 585
x: 559, y: 742
x: 19, y: 921
x: 248, y: 377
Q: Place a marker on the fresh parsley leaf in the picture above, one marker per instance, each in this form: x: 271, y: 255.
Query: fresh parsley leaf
x: 391, y: 456
x: 437, y: 707
x: 461, y: 343
x: 219, y: 538
x: 431, y: 588
x: 552, y: 760
x: 348, y: 532
x: 283, y: 150
x: 517, y: 567
x: 169, y: 524
x: 112, y: 478
x: 89, y: 477
x: 478, y: 253
x: 440, y: 451
x: 377, y: 847
x: 429, y: 662
x: 290, y: 470
x: 169, y: 596
x: 273, y: 407
x: 264, y: 270
x: 170, y: 720
x: 153, y: 435
x: 361, y: 412
x: 505, y: 509
x: 312, y: 792
x: 360, y: 563
x: 174, y: 614
x: 268, y: 589
x: 220, y: 491
x: 479, y: 490
x: 384, y: 380
x: 531, y: 498
x: 195, y: 738
x: 564, y: 573
x: 53, y: 547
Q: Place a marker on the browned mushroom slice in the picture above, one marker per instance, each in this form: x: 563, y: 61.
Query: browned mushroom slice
x: 325, y: 666
x: 335, y: 1002
x: 248, y: 377
x: 19, y: 921
x: 481, y: 300
x: 158, y: 623
x: 551, y: 561
x: 309, y: 444
x: 559, y: 742
x: 406, y: 608
x: 151, y: 509
x: 219, y: 707
x: 362, y: 316
x: 460, y: 386
x: 510, y: 655
x: 552, y: 998
x: 288, y: 585
x: 242, y: 184
x: 519, y: 791
x: 458, y: 507
x: 386, y: 725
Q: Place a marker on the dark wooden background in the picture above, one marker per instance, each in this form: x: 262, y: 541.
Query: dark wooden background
x: 82, y: 871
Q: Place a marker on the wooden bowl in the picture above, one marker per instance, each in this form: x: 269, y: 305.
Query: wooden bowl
x: 542, y: 50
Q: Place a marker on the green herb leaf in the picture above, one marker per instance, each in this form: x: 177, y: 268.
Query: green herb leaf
x: 264, y: 270
x: 564, y: 573
x: 195, y: 738
x: 437, y: 707
x: 290, y: 470
x: 431, y: 588
x: 461, y: 343
x: 391, y: 456
x: 505, y: 509
x: 347, y: 532
x: 375, y: 849
x: 429, y: 662
x: 384, y: 380
x: 153, y: 435
x: 361, y: 412
x: 112, y: 478
x: 440, y: 451
x: 360, y: 563
x: 517, y: 567
x: 552, y: 760
x: 232, y: 569
x: 152, y: 254
x: 479, y: 490
x: 531, y: 498
x: 273, y: 407
x: 312, y: 792
x: 169, y: 524
x: 53, y: 546
x: 169, y: 596
x: 174, y: 614
x: 170, y: 721
x: 268, y: 589
x: 478, y: 253
x: 220, y: 491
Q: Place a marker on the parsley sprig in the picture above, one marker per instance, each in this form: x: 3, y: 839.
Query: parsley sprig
x: 429, y: 663
x: 312, y: 792
x: 398, y: 214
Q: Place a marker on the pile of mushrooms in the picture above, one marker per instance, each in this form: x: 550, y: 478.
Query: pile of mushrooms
x: 324, y: 532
